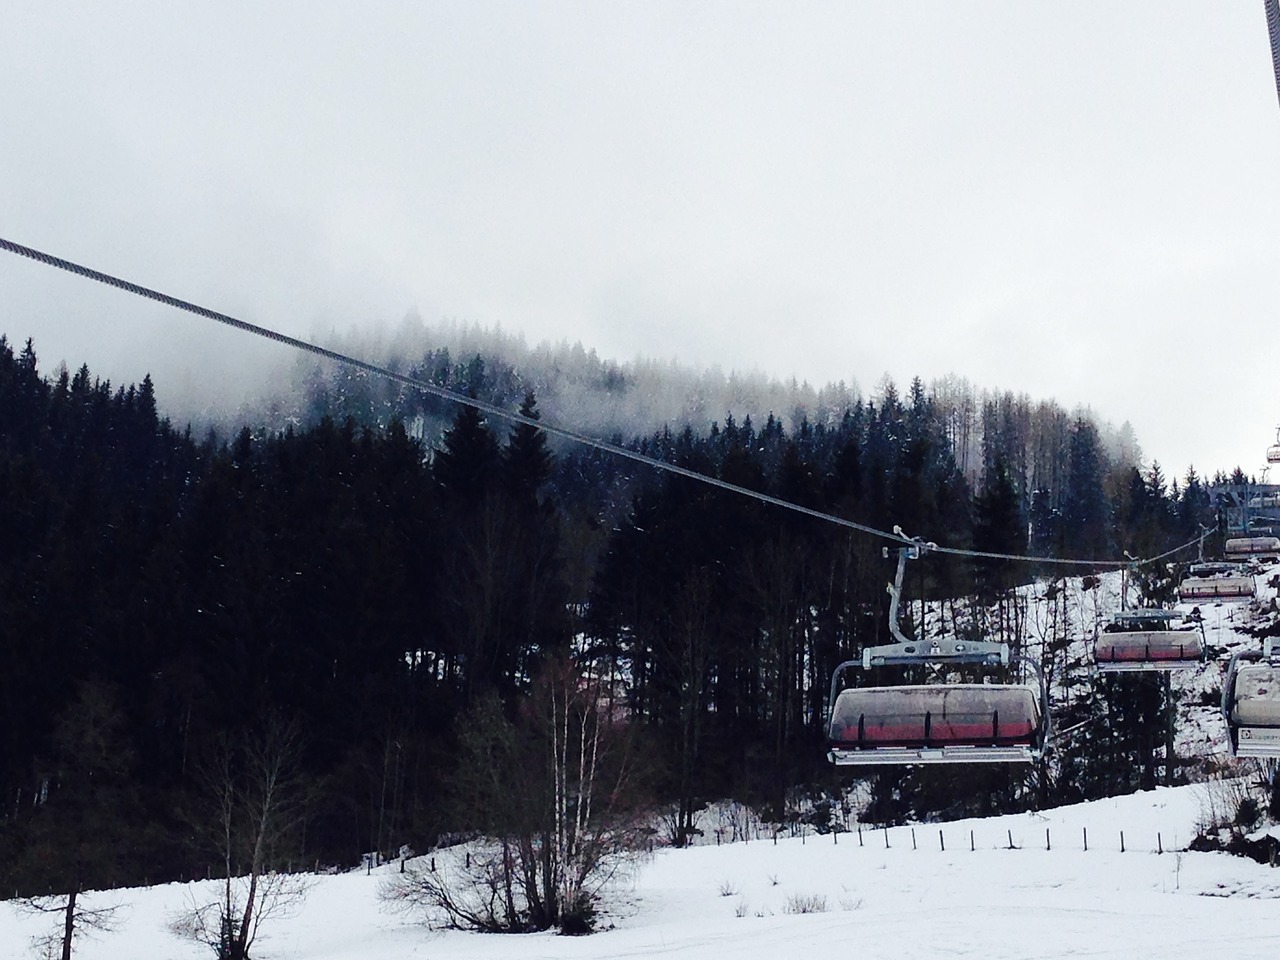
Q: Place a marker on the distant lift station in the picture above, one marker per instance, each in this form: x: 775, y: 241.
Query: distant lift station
x: 934, y: 723
x: 1140, y: 641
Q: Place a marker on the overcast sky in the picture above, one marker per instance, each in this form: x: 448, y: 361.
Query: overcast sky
x: 1079, y: 201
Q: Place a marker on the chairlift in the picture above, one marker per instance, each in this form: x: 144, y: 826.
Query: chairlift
x: 1273, y: 451
x: 1216, y: 581
x: 1242, y: 548
x: 934, y: 723
x: 1147, y: 640
x: 1251, y: 703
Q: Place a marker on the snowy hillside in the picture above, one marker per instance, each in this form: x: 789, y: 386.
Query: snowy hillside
x: 1074, y: 610
x: 1110, y: 878
x: 748, y: 900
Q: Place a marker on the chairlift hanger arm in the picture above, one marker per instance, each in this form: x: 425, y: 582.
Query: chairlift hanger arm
x: 908, y: 651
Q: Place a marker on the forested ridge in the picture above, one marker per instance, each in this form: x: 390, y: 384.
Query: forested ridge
x: 163, y: 596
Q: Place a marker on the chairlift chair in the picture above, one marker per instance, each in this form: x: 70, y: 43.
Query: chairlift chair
x: 1216, y: 581
x: 1243, y: 548
x: 1142, y: 641
x: 1251, y: 703
x: 940, y: 723
x: 1273, y: 451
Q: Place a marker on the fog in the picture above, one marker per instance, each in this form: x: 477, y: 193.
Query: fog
x: 1070, y: 201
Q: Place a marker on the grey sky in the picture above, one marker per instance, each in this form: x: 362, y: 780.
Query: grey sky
x: 1078, y: 201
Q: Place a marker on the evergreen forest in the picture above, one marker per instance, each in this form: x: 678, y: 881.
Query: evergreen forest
x: 367, y: 589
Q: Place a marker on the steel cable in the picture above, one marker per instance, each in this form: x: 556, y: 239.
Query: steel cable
x: 550, y: 429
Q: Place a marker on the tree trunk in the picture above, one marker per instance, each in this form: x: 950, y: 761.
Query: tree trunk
x: 241, y: 951
x: 69, y: 925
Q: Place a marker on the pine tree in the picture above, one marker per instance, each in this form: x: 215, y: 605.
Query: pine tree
x: 527, y: 463
x: 466, y: 465
x: 998, y: 527
x: 1085, y: 508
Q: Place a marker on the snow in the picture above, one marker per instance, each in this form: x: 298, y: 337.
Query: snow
x: 1046, y: 897
x: 738, y: 900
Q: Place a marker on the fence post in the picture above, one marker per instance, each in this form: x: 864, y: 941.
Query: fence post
x: 913, y: 838
x: 1086, y: 838
x: 886, y: 837
x: 1047, y: 845
x: 971, y: 846
x: 1159, y: 843
x: 1122, y: 841
x: 942, y: 843
x: 1010, y: 833
x: 859, y: 833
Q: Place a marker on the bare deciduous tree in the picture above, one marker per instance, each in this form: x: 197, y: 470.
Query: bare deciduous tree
x: 255, y: 807
x: 553, y: 796
x: 74, y: 921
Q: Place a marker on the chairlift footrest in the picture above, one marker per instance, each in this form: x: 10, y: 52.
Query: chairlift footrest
x: 1146, y: 666
x: 936, y: 651
x: 1261, y: 742
x: 903, y: 756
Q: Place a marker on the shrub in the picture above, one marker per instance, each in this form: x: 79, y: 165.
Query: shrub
x: 806, y: 903
x: 1248, y: 813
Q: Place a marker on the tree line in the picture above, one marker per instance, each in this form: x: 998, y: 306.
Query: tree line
x: 383, y: 597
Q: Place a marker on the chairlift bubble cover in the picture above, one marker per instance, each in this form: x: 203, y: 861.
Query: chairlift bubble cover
x: 972, y: 714
x: 1256, y: 696
x: 1252, y: 546
x: 1204, y: 588
x: 1148, y: 645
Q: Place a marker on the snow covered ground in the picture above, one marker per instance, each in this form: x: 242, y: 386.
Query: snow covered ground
x: 890, y: 896
x: 741, y: 900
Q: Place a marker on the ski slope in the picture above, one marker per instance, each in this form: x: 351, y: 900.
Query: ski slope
x: 960, y: 891
x: 739, y: 900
